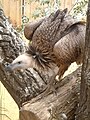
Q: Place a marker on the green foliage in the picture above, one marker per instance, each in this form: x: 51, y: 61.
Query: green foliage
x: 79, y: 8
x: 46, y: 7
x: 44, y: 1
x: 25, y: 19
x: 37, y: 13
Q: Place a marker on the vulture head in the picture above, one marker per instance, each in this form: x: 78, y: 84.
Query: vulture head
x: 23, y: 61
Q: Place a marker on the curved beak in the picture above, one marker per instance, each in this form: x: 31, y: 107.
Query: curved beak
x: 9, y: 67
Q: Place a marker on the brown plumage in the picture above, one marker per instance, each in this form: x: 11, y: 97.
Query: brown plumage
x: 31, y: 27
x: 58, y: 39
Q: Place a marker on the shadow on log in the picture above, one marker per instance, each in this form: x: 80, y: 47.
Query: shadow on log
x: 27, y: 115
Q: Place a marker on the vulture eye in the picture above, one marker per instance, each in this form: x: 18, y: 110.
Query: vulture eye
x: 19, y: 62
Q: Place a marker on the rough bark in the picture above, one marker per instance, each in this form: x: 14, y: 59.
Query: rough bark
x: 84, y: 104
x: 25, y: 85
x: 21, y: 85
x: 61, y: 106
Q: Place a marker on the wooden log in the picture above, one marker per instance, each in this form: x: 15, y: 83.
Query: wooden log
x: 61, y: 106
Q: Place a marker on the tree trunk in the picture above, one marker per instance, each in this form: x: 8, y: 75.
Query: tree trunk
x: 84, y: 106
x: 28, y: 84
x: 21, y: 85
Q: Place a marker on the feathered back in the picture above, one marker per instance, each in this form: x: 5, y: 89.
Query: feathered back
x: 42, y: 50
x: 31, y: 27
x: 71, y: 46
x: 51, y: 30
x: 48, y: 24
